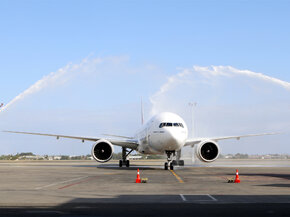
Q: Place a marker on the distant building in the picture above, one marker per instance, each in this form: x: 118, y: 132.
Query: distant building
x: 56, y: 157
x: 31, y: 157
x: 136, y: 157
x: 229, y: 156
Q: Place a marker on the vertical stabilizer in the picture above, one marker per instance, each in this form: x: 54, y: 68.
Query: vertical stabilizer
x: 142, y: 113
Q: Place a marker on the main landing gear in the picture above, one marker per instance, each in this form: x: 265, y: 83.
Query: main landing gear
x: 170, y: 162
x: 124, y: 160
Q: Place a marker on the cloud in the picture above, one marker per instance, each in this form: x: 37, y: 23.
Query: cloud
x: 206, y: 75
x: 230, y: 101
x: 102, y: 95
x: 172, y: 81
x: 89, y: 98
x: 231, y: 71
x: 59, y: 77
x: 65, y: 74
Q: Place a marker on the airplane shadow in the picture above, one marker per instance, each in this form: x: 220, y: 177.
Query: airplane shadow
x: 116, y: 167
x: 132, y: 167
x: 160, y: 205
x: 277, y: 185
x: 275, y: 175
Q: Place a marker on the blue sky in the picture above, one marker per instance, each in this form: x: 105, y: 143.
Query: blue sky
x: 153, y: 40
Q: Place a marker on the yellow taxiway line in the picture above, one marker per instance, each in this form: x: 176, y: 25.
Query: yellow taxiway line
x: 176, y: 176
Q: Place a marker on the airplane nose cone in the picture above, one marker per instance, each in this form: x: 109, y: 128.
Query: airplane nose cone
x: 175, y: 139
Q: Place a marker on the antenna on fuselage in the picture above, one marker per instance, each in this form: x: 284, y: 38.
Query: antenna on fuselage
x: 142, y: 113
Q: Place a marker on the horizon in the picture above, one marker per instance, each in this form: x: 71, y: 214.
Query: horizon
x: 81, y: 68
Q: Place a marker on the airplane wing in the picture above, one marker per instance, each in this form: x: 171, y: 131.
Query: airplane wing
x: 192, y: 142
x: 127, y: 143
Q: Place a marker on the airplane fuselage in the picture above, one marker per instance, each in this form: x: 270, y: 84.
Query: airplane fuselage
x: 164, y: 132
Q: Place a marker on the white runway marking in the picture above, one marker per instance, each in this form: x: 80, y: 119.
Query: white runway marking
x: 196, y: 198
x: 211, y: 197
x: 57, y: 183
x: 182, y: 197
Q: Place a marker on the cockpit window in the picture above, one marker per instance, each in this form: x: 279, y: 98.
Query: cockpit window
x: 171, y: 125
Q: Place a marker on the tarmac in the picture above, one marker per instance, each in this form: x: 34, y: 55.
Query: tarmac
x: 87, y: 188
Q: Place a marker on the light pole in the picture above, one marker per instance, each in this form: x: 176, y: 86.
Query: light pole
x: 192, y: 106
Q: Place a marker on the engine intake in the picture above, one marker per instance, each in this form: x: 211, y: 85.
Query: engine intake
x: 102, y: 151
x: 207, y: 151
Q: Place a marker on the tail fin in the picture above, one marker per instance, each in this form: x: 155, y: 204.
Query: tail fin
x: 142, y: 113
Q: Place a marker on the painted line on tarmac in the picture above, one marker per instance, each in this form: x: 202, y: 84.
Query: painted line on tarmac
x: 211, y: 197
x: 76, y: 183
x: 182, y: 197
x: 57, y: 183
x: 177, y: 177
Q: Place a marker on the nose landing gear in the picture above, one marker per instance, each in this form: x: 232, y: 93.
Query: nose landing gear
x: 165, y: 166
x: 170, y: 155
x: 171, y: 162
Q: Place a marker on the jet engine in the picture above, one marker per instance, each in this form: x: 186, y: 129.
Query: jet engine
x: 207, y: 151
x: 102, y: 151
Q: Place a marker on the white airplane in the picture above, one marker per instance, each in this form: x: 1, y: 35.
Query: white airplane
x: 165, y: 133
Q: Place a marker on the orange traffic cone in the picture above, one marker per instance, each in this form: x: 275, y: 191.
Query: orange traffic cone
x: 138, y: 180
x: 237, y: 180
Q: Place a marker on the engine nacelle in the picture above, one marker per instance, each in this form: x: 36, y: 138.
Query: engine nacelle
x: 207, y: 151
x: 102, y: 151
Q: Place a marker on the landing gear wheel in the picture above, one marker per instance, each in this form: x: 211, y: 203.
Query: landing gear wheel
x: 124, y: 160
x: 127, y: 163
x: 171, y: 166
x: 120, y: 163
x: 165, y: 166
x: 181, y: 163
